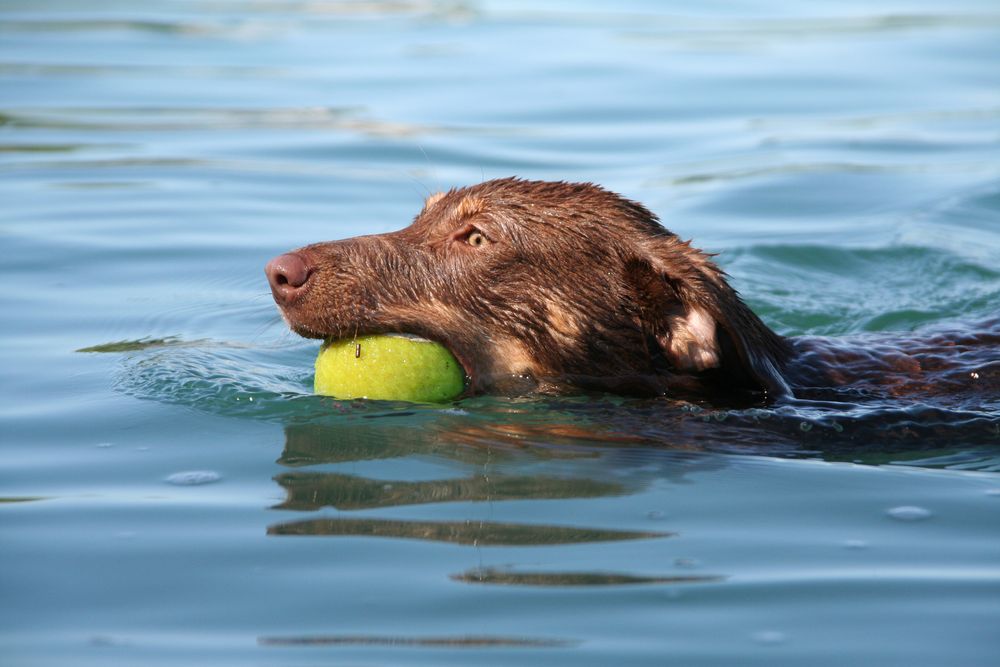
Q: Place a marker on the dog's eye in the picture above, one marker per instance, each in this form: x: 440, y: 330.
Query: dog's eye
x: 475, y: 238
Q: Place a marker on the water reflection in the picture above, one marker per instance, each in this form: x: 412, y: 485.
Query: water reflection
x: 479, y: 533
x: 493, y: 576
x: 454, y: 436
x: 489, y: 430
x: 536, y: 450
x: 313, y: 490
x: 834, y: 425
x: 491, y: 641
x: 125, y: 119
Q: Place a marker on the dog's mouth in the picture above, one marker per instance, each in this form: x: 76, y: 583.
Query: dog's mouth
x: 463, y: 361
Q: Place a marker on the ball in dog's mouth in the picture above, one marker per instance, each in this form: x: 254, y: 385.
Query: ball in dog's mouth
x: 391, y: 367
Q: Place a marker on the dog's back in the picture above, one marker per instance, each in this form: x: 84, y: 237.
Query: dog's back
x: 950, y: 366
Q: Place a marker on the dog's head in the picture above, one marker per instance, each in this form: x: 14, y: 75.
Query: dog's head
x: 538, y: 284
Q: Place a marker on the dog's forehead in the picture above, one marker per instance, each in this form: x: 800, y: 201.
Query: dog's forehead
x: 499, y: 194
x: 538, y: 210
x: 444, y: 211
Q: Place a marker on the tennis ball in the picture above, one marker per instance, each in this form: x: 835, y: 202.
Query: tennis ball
x: 388, y: 367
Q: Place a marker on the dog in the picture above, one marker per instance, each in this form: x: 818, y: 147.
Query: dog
x: 559, y: 288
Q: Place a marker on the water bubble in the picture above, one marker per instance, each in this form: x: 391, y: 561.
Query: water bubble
x: 193, y: 477
x: 805, y: 427
x: 855, y: 544
x: 769, y: 637
x: 105, y: 445
x: 909, y: 513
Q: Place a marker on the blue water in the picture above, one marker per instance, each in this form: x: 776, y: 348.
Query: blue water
x: 182, y: 498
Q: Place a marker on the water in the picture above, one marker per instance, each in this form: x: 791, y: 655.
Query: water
x: 181, y: 498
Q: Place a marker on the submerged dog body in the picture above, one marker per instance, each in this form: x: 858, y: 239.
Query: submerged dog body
x: 558, y: 287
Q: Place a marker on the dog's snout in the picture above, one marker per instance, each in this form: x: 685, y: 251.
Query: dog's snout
x: 287, y: 274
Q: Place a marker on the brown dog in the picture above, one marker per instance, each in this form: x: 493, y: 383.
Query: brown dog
x: 559, y: 287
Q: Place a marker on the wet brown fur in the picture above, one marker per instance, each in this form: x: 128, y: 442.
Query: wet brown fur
x: 557, y: 287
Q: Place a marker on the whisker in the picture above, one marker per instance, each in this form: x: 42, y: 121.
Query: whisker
x: 265, y: 328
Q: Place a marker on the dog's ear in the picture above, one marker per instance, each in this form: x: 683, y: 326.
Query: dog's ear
x: 695, y: 321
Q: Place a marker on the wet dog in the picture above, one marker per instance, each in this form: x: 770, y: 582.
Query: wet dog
x: 561, y: 287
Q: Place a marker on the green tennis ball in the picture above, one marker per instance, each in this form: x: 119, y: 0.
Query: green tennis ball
x: 388, y: 367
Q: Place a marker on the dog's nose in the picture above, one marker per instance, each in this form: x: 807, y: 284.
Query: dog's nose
x: 287, y: 274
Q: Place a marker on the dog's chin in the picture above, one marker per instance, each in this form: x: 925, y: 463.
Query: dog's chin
x: 305, y: 331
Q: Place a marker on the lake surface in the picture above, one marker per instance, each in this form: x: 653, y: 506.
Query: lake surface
x: 176, y: 496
